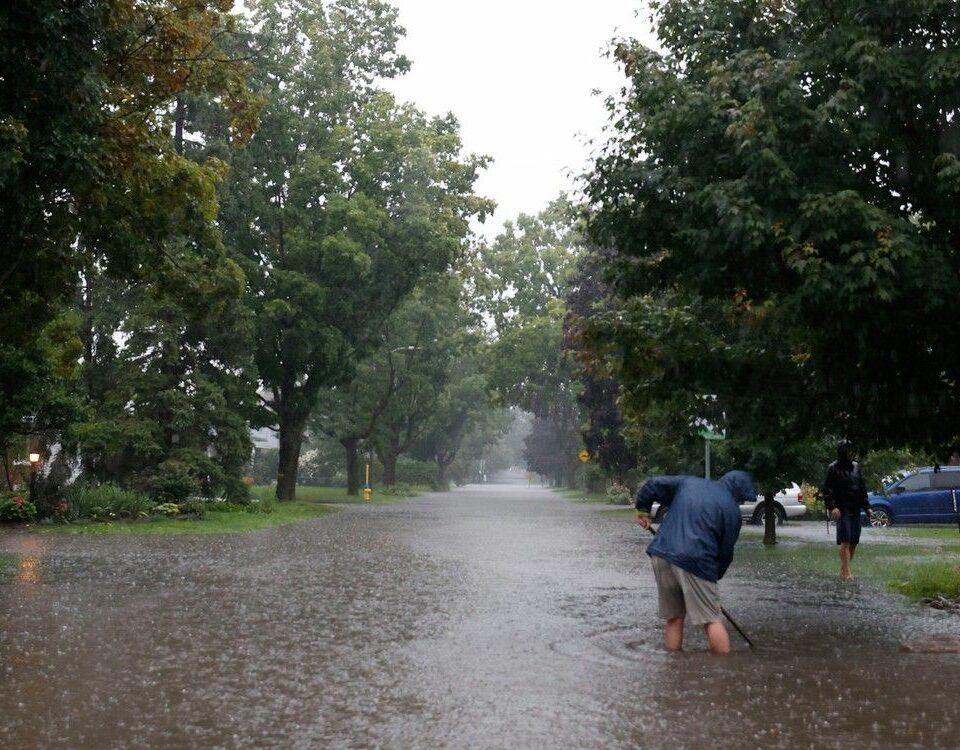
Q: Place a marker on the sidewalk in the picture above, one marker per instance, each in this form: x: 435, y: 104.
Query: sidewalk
x: 817, y: 531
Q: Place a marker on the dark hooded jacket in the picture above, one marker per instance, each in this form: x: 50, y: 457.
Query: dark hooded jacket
x: 844, y: 488
x: 701, y: 529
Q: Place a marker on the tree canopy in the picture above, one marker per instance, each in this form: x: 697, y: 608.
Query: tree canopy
x: 339, y: 204
x: 775, y: 195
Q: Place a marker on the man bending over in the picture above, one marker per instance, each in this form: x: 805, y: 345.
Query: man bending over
x: 693, y: 549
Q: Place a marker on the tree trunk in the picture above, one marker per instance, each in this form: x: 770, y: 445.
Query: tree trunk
x: 178, y: 120
x: 6, y: 468
x: 389, y: 469
x: 598, y: 483
x: 442, y: 465
x: 291, y: 439
x: 769, y: 520
x: 350, y: 445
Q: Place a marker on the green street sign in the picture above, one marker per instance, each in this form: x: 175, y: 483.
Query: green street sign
x: 708, y: 435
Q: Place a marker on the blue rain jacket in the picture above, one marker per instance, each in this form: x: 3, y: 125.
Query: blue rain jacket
x: 701, y: 529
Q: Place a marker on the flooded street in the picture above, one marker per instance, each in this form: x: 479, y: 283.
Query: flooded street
x: 495, y: 616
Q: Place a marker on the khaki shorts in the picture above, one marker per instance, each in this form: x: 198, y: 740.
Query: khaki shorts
x: 682, y: 594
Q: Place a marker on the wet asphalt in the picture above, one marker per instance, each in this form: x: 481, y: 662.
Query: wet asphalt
x: 492, y: 616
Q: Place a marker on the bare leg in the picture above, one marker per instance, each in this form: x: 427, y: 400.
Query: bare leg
x: 853, y: 549
x: 673, y: 634
x: 845, y: 556
x: 718, y: 638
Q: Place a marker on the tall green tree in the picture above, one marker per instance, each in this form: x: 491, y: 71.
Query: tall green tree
x: 776, y: 194
x: 527, y: 266
x: 172, y: 387
x: 348, y: 412
x: 464, y: 407
x: 419, y: 392
x: 91, y: 181
x: 166, y: 338
x: 521, y: 280
x: 429, y: 339
x: 603, y: 426
x: 339, y: 204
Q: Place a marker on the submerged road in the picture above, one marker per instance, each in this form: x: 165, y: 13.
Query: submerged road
x: 494, y: 616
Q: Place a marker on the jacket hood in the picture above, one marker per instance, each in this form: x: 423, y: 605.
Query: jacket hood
x: 740, y: 485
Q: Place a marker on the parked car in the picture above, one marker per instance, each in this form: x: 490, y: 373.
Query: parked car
x: 788, y: 503
x: 926, y: 495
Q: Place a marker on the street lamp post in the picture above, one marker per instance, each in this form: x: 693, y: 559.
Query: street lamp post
x: 34, y: 458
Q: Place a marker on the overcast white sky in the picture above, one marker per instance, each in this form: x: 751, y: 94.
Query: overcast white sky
x: 518, y: 74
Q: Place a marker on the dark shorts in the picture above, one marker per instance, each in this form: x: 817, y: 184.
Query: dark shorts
x: 848, y: 529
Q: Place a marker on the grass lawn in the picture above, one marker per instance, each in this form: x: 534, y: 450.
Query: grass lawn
x: 916, y: 571
x: 583, y: 496
x: 619, y: 511
x: 311, y: 502
x: 214, y: 522
x: 336, y: 495
x: 949, y: 534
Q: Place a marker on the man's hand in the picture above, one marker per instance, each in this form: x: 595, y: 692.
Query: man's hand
x: 835, y: 514
x: 644, y: 521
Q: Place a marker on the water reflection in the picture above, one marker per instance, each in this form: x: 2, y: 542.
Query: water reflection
x: 28, y: 570
x: 28, y: 565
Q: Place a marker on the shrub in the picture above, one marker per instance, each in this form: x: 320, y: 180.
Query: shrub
x: 237, y: 490
x: 222, y: 506
x: 106, y: 501
x: 167, y: 509
x: 254, y: 506
x: 400, y: 489
x: 175, y: 482
x: 61, y: 510
x: 197, y: 508
x: 813, y: 499
x: 16, y: 508
x: 619, y: 494
x: 262, y: 505
x: 410, y: 471
x: 595, y: 478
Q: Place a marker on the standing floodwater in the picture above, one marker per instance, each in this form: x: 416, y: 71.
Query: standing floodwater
x: 492, y: 616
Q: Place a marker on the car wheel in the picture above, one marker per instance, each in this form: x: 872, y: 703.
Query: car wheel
x: 881, y: 517
x: 779, y: 515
